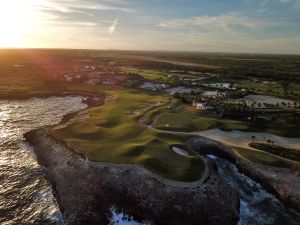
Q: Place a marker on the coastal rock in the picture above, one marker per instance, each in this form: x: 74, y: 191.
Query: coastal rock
x: 87, y: 190
x: 284, y: 183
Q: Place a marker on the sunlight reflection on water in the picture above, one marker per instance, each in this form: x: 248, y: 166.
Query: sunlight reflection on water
x: 25, y: 196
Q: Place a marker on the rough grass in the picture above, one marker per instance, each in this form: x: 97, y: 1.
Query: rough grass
x: 114, y: 134
x: 288, y: 153
x: 266, y: 159
x: 285, y: 131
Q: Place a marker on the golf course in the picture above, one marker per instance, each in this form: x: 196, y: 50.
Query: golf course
x: 115, y: 133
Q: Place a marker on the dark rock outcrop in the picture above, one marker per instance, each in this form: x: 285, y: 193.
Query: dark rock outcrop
x: 284, y: 183
x: 86, y: 190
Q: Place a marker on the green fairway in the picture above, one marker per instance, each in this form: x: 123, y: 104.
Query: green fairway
x: 190, y: 123
x: 113, y: 133
x: 266, y: 159
x: 161, y: 75
x: 187, y: 121
x: 151, y: 115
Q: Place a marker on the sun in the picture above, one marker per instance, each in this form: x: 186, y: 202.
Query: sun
x: 16, y: 17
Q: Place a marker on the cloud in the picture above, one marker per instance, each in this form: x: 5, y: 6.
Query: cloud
x: 76, y: 6
x: 225, y: 22
x: 113, y: 27
x: 292, y: 3
x: 264, y: 3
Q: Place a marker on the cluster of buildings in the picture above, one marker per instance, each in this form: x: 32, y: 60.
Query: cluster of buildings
x: 100, y: 76
x: 202, y: 105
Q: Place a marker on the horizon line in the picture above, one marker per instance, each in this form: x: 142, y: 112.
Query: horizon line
x: 147, y: 50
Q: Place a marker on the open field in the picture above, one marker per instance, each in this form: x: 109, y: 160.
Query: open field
x: 161, y: 75
x: 153, y: 58
x: 147, y: 74
x: 113, y: 134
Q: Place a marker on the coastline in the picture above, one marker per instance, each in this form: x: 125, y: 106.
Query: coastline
x: 201, y: 145
x: 25, y: 96
x: 87, y: 190
x: 280, y: 182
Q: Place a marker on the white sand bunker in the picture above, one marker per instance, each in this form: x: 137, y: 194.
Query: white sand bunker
x: 180, y: 151
x: 242, y: 139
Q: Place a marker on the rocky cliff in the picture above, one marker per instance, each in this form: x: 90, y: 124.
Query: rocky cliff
x: 284, y: 183
x: 87, y: 190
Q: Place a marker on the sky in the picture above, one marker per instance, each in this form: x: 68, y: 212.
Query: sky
x: 253, y: 26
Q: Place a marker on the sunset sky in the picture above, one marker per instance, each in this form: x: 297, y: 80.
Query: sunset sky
x: 263, y: 26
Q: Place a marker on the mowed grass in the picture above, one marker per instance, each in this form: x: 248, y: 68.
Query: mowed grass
x: 147, y: 74
x: 266, y: 159
x: 150, y: 116
x: 114, y: 134
x: 186, y: 122
x: 268, y: 88
x: 154, y: 74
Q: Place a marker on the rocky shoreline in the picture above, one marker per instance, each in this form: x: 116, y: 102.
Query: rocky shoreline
x: 281, y: 182
x: 87, y: 190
